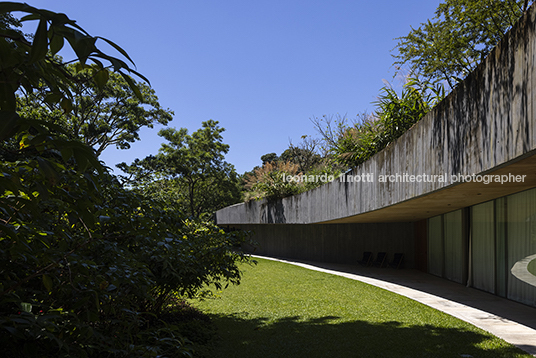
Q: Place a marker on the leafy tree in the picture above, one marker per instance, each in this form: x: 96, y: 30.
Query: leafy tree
x: 269, y: 157
x: 282, y: 176
x: 351, y: 145
x: 304, y: 154
x: 87, y: 267
x: 461, y: 34
x: 444, y: 49
x: 8, y: 21
x: 100, y: 115
x: 192, y: 167
x: 27, y: 65
x: 268, y: 181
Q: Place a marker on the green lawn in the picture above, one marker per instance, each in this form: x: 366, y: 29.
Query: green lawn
x: 281, y: 310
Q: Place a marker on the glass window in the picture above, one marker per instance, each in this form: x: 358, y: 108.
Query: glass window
x: 454, y: 248
x: 521, y: 244
x: 435, y: 245
x: 483, y: 246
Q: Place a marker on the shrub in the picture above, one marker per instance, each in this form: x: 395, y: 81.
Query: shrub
x: 84, y: 263
x: 272, y: 180
x: 95, y: 282
x: 394, y: 116
x: 269, y: 181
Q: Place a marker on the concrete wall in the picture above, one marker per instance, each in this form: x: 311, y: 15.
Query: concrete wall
x: 486, y: 122
x: 336, y: 243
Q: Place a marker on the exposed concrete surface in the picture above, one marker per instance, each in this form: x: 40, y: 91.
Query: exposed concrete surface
x: 486, y: 123
x: 340, y: 243
x: 511, y: 321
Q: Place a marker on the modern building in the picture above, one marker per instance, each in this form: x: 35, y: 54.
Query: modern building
x: 456, y: 193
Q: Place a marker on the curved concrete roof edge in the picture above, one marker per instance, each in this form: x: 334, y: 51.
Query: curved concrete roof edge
x: 484, y: 128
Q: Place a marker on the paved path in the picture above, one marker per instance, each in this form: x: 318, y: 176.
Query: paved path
x: 509, y: 320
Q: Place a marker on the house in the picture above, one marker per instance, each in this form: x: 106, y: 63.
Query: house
x: 456, y: 193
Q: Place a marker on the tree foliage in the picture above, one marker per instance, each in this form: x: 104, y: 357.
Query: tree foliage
x: 278, y: 176
x: 268, y: 181
x: 462, y: 33
x: 269, y: 157
x: 305, y: 154
x: 87, y: 268
x: 100, y: 116
x: 27, y: 65
x: 351, y: 145
x: 190, y: 170
x: 441, y: 51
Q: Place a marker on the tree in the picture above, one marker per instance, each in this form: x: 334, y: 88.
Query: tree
x: 351, y: 145
x: 192, y: 167
x: 27, y: 65
x: 7, y: 21
x: 88, y: 269
x: 269, y: 157
x: 298, y: 169
x: 99, y: 117
x: 304, y: 154
x: 461, y: 34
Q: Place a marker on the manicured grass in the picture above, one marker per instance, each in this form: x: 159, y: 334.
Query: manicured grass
x: 281, y: 310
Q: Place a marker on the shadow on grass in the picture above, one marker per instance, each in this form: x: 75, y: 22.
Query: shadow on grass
x: 324, y: 337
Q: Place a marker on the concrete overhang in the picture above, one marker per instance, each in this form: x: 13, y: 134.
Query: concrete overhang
x: 485, y: 126
x: 454, y: 197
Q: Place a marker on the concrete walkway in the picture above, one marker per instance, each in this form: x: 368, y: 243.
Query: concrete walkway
x: 509, y: 320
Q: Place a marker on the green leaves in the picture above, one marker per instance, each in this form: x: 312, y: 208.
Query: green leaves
x: 66, y: 104
x: 40, y: 43
x: 8, y: 6
x: 114, y: 45
x: 83, y: 260
x: 56, y: 43
x: 103, y: 110
x: 135, y: 89
x: 189, y: 172
x: 47, y: 282
x: 101, y: 78
x: 394, y: 115
x: 462, y: 33
x: 31, y: 65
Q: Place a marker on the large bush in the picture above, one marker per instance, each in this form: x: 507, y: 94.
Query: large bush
x: 269, y: 181
x: 87, y: 268
x: 279, y: 179
x: 351, y: 145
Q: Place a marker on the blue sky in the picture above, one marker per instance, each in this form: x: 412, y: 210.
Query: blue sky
x: 260, y: 68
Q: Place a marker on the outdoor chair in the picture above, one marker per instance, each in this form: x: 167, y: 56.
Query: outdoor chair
x: 367, y: 259
x: 397, y: 260
x: 381, y: 259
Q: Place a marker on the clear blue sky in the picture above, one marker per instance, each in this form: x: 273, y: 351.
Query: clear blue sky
x: 261, y: 68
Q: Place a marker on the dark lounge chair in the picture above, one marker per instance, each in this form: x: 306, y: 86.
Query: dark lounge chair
x: 381, y: 259
x: 397, y: 260
x: 367, y: 259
